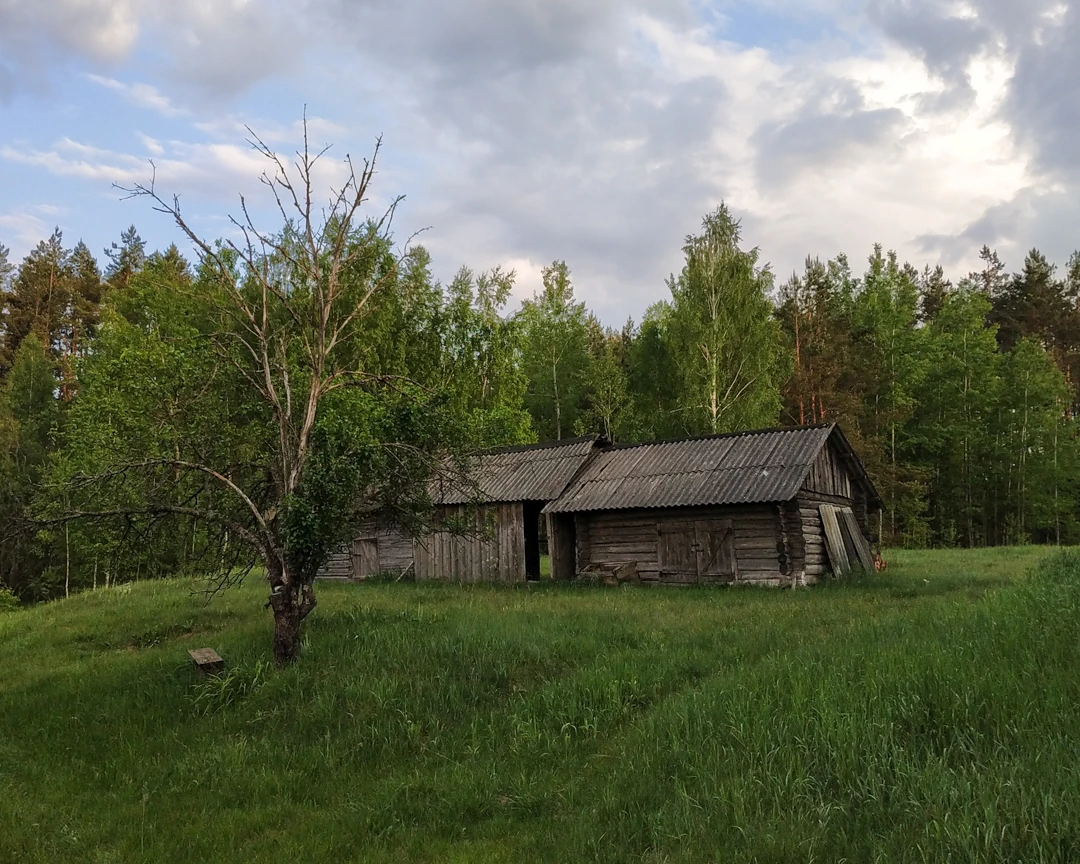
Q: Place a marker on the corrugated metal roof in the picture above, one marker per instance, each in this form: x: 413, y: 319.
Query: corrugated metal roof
x: 741, y: 468
x: 538, y: 472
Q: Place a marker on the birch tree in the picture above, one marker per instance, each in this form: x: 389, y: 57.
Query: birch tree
x: 724, y: 338
x: 554, y: 353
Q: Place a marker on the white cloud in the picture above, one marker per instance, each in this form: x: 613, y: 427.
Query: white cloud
x: 24, y: 231
x: 526, y: 131
x: 142, y: 95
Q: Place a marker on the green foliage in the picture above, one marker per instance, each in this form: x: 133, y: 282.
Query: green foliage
x: 29, y: 419
x: 723, y: 338
x: 554, y: 353
x: 368, y: 445
x: 125, y: 259
x: 926, y: 714
x: 607, y: 408
x: 55, y: 295
x: 960, y: 400
x: 9, y: 602
x: 480, y: 360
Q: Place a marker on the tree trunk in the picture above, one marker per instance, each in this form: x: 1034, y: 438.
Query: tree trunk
x: 286, y: 626
x: 291, y: 604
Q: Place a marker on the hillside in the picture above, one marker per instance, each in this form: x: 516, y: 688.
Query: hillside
x: 925, y: 714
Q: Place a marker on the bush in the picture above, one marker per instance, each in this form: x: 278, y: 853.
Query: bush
x: 8, y: 601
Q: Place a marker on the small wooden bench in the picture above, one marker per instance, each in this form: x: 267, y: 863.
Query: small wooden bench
x: 207, y: 661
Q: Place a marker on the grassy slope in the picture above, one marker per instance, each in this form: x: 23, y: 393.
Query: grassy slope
x: 927, y: 714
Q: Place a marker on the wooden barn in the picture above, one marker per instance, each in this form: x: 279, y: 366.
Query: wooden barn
x: 498, y: 531
x: 493, y: 520
x: 776, y: 507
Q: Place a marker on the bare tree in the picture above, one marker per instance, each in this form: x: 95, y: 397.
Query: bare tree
x: 288, y: 303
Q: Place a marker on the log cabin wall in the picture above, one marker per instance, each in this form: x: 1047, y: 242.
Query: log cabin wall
x: 338, y: 565
x: 493, y: 549
x: 816, y: 560
x: 830, y: 481
x: 608, y: 539
x: 395, y: 548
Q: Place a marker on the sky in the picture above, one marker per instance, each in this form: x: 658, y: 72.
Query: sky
x: 593, y: 131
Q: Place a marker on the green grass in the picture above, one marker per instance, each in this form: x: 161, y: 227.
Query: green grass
x: 927, y: 714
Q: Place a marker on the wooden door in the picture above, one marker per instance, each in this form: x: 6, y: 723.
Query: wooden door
x: 716, y: 551
x: 677, y: 551
x: 365, y: 557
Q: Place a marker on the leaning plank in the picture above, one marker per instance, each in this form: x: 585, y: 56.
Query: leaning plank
x: 862, y: 548
x: 834, y: 541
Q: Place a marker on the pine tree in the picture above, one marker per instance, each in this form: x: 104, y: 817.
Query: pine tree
x: 951, y: 430
x: 125, y: 259
x: 6, y: 267
x: 80, y: 318
x: 38, y: 299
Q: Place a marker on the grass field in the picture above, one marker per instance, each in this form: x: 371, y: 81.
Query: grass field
x: 931, y: 713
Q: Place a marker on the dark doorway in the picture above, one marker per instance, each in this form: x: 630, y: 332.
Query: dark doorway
x: 562, y: 541
x: 531, y: 517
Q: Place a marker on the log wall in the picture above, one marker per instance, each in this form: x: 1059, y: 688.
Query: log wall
x: 816, y: 559
x: 492, y: 550
x: 606, y: 540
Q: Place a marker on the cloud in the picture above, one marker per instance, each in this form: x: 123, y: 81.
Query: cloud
x: 601, y: 132
x: 217, y: 49
x: 142, y: 95
x: 212, y: 49
x: 37, y: 37
x: 23, y: 229
x: 946, y: 36
x: 832, y: 127
x: 204, y: 168
x: 102, y: 30
x: 1044, y: 100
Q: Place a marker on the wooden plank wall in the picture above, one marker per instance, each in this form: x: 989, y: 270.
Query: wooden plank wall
x: 395, y: 551
x: 829, y: 476
x: 340, y: 563
x: 492, y: 551
x: 608, y: 539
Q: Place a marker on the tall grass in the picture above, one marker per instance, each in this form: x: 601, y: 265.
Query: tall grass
x: 928, y: 714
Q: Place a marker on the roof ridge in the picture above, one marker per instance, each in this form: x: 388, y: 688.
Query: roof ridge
x: 540, y: 445
x: 720, y: 435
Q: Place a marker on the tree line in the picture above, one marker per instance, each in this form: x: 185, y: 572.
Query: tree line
x: 960, y: 398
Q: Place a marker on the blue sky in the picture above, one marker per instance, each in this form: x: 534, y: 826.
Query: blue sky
x: 599, y: 132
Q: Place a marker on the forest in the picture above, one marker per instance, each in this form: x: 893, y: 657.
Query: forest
x: 961, y: 397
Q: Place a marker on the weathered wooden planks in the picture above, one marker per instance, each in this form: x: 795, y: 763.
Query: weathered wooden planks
x: 491, y: 550
x: 834, y: 540
x: 862, y: 548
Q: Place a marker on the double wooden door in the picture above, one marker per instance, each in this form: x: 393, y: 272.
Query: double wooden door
x: 701, y: 550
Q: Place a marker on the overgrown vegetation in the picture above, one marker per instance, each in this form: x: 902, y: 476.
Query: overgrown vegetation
x: 961, y: 399
x: 925, y: 714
